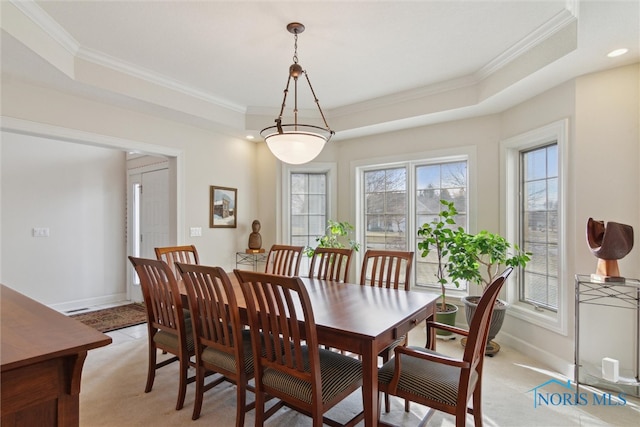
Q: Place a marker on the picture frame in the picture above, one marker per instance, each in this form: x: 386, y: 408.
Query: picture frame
x: 222, y: 207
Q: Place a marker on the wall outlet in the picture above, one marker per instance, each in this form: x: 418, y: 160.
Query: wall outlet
x: 40, y: 232
x: 195, y: 231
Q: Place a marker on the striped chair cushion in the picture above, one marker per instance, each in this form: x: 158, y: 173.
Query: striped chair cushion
x: 338, y: 373
x: 424, y: 378
x: 226, y: 360
x: 170, y: 340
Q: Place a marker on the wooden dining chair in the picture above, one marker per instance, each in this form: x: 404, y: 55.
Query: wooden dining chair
x: 331, y: 264
x: 221, y: 344
x: 391, y: 270
x: 441, y: 382
x: 284, y: 260
x: 167, y: 330
x: 187, y: 254
x: 304, y: 376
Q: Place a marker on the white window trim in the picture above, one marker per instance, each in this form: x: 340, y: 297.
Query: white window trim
x: 331, y: 169
x: 467, y: 153
x: 509, y: 188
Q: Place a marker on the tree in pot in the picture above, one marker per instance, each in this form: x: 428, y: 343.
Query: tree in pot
x: 436, y: 237
x: 479, y: 258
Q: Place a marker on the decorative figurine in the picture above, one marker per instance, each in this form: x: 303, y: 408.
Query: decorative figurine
x: 608, y: 243
x: 255, y: 239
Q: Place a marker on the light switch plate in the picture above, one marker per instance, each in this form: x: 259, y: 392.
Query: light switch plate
x: 40, y: 232
x: 195, y: 231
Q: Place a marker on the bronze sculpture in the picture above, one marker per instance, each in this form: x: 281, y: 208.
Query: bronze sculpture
x: 608, y: 242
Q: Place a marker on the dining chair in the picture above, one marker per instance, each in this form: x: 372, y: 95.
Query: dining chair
x: 331, y: 264
x: 441, y: 382
x: 221, y: 344
x: 187, y: 254
x: 391, y: 270
x: 167, y: 330
x: 284, y: 260
x: 305, y: 377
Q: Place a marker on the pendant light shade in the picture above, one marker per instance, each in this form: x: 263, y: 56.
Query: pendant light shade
x: 296, y: 143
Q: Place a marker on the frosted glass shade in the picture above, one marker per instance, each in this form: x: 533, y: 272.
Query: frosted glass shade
x: 296, y: 146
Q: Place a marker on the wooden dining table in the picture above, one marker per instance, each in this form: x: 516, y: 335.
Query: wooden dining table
x: 359, y: 319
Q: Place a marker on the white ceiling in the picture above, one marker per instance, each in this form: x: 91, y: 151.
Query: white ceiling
x: 374, y: 65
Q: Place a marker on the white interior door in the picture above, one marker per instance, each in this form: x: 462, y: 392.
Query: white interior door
x: 148, y: 219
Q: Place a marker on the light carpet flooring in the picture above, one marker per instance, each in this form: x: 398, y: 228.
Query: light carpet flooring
x: 114, y: 377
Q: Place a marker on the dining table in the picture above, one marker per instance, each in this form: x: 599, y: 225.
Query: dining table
x: 359, y: 319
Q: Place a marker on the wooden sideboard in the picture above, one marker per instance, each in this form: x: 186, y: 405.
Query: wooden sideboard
x: 42, y: 355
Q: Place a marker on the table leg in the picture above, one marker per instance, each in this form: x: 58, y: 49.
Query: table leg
x: 370, y: 385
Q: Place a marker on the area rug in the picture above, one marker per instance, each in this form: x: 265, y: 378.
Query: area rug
x: 111, y: 319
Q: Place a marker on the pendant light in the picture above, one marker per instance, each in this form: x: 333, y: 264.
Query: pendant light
x: 296, y: 143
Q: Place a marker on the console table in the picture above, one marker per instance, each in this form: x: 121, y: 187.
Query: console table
x: 618, y: 295
x: 42, y: 355
x: 252, y: 259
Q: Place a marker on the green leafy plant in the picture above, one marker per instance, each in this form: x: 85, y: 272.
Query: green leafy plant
x: 479, y: 258
x: 338, y: 235
x: 437, y: 236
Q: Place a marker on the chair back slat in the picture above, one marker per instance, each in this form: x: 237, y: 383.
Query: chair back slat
x: 186, y: 254
x: 214, y: 309
x: 331, y: 264
x: 282, y: 324
x: 284, y: 260
x: 387, y: 269
x: 160, y: 293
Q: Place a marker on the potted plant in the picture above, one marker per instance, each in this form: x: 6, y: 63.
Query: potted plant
x: 479, y: 258
x: 437, y: 236
x: 339, y: 234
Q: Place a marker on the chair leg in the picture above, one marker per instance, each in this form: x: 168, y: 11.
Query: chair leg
x: 477, y: 406
x: 240, y: 404
x: 151, y: 370
x: 197, y: 405
x: 387, y: 400
x: 260, y: 408
x: 182, y: 392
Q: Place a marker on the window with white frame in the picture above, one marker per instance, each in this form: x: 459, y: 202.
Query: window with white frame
x: 533, y: 186
x: 539, y: 225
x: 308, y: 207
x: 308, y: 201
x: 396, y: 199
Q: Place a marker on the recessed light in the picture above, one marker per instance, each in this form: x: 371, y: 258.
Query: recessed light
x: 250, y: 137
x: 617, y: 52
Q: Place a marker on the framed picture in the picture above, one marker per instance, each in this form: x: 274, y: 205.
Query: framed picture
x: 222, y: 207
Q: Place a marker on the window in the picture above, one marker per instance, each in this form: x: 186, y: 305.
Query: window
x: 539, y: 225
x: 385, y: 209
x: 435, y: 182
x: 308, y: 207
x: 308, y: 201
x: 533, y: 186
x: 395, y: 199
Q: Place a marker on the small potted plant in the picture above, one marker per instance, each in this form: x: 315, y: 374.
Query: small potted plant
x: 339, y: 235
x: 479, y: 258
x: 437, y: 236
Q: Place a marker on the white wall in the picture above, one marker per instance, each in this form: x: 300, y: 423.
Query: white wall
x: 75, y: 191
x: 205, y: 158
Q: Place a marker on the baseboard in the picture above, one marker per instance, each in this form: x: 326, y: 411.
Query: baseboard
x: 89, y: 302
x: 552, y: 361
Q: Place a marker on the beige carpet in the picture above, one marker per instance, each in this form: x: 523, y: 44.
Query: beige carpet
x: 114, y: 378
